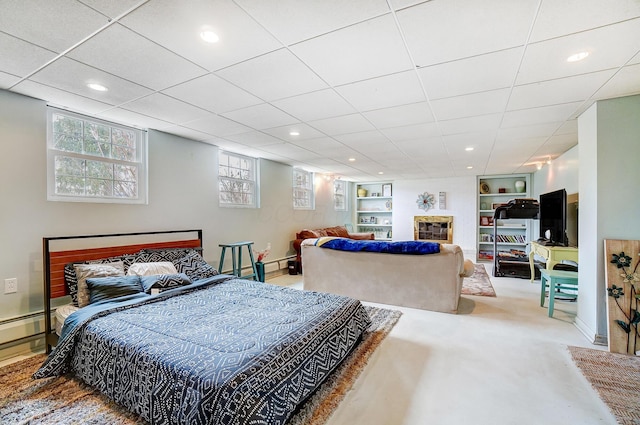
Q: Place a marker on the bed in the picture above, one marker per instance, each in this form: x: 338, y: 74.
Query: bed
x: 213, y: 350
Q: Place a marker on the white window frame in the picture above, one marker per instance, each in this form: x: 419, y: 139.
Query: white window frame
x: 303, y: 190
x: 340, y: 195
x: 139, y: 162
x: 240, y: 175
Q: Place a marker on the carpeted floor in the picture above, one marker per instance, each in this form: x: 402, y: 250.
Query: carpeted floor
x: 65, y: 400
x: 478, y: 284
x: 616, y: 378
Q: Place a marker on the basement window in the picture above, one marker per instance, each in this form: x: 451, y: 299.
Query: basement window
x: 237, y: 180
x: 303, y: 194
x: 91, y: 160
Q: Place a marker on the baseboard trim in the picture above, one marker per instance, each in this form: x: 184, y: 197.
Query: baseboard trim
x: 591, y: 335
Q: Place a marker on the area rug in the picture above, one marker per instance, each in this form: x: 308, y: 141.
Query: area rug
x: 615, y: 377
x: 64, y: 400
x: 478, y: 284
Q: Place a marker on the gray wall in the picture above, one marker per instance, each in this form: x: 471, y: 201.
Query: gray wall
x: 182, y: 194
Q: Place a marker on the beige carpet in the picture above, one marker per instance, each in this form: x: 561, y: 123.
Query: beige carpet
x: 616, y: 378
x: 65, y: 400
x: 478, y: 284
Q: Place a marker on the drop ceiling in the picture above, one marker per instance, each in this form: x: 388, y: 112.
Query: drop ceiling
x: 400, y: 87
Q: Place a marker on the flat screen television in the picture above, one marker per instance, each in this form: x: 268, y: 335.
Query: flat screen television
x: 553, y: 217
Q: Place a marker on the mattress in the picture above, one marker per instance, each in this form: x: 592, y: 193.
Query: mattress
x: 221, y: 351
x: 62, y: 313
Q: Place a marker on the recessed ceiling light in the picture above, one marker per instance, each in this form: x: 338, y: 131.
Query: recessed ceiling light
x: 380, y: 172
x: 469, y: 167
x: 294, y: 133
x: 208, y: 35
x: 577, y: 57
x: 97, y: 87
x: 469, y: 149
x: 352, y: 159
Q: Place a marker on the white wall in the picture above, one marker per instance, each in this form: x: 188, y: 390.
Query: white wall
x: 609, y: 135
x: 182, y: 194
x: 461, y: 204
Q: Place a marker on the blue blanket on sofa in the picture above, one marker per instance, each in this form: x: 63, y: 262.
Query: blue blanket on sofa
x: 387, y: 247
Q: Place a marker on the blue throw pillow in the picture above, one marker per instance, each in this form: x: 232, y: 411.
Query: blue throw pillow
x: 104, y: 288
x: 162, y: 282
x: 194, y: 266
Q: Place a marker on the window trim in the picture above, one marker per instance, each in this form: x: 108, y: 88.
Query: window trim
x: 141, y: 161
x: 255, y: 201
x: 310, y: 191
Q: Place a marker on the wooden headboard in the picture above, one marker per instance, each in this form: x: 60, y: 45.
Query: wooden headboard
x: 55, y: 258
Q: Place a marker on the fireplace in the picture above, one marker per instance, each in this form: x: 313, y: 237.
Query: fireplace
x: 433, y: 228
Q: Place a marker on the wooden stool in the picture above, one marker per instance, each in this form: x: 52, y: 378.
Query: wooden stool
x: 236, y: 258
x: 557, y: 280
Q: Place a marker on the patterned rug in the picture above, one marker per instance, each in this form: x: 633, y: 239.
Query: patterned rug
x: 65, y: 400
x: 478, y: 284
x: 615, y: 377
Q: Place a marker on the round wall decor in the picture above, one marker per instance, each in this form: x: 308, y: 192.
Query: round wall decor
x: 484, y: 188
x: 425, y: 201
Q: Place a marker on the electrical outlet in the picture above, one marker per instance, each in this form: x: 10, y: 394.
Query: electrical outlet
x: 11, y: 285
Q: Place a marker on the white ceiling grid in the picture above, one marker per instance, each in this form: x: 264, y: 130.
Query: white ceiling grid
x: 402, y: 86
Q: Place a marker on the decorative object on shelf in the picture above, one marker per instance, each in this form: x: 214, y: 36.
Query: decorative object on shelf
x: 484, y: 188
x: 502, y: 190
x: 483, y: 206
x: 425, y: 201
x: 362, y: 192
x: 442, y: 200
x: 520, y: 186
x: 386, y: 189
x: 623, y: 290
x: 484, y: 220
x: 388, y: 205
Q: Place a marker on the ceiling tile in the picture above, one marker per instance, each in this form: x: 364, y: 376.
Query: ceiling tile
x: 415, y: 113
x: 554, y: 53
x: 411, y: 132
x: 291, y: 23
x: 261, y: 116
x: 342, y: 125
x: 322, y: 145
x: 56, y: 26
x: 134, y: 119
x: 72, y: 76
x: 546, y: 114
x: 305, y: 132
x: 365, y: 50
x: 212, y: 93
x: 568, y: 127
x: 7, y: 80
x: 112, y: 8
x: 626, y: 82
x: 273, y: 76
x: 254, y: 138
x: 166, y: 108
x: 528, y: 131
x: 439, y: 32
x: 314, y: 106
x: 476, y: 74
x: 552, y: 92
x: 20, y: 58
x: 62, y: 98
x: 149, y: 58
x: 177, y: 27
x: 216, y: 125
x: 363, y: 139
x: 188, y: 133
x: 384, y: 92
x: 558, y: 18
x: 470, y: 124
x: 488, y: 102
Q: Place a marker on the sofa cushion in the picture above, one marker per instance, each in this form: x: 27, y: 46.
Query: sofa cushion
x: 309, y: 234
x: 339, y: 231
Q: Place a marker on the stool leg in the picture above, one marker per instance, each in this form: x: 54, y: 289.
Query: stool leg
x: 543, y: 287
x: 253, y: 264
x: 239, y: 262
x: 552, y: 293
x: 221, y: 263
x: 235, y: 261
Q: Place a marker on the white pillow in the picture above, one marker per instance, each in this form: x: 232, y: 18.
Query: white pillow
x: 150, y: 269
x: 86, y: 271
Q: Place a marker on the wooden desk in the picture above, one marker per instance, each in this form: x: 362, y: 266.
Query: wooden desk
x: 552, y: 255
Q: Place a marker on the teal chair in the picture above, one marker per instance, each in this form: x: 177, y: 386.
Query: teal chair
x: 556, y: 281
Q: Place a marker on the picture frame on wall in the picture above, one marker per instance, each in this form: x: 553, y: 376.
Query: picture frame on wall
x: 386, y: 189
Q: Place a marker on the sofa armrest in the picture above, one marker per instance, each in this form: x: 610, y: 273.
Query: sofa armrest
x: 362, y: 236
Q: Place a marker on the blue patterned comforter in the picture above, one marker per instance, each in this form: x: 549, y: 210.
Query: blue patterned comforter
x: 219, y: 351
x: 387, y: 247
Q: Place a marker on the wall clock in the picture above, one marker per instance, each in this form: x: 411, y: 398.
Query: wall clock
x: 425, y: 201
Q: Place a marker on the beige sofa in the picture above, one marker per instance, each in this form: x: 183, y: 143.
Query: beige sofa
x: 429, y: 282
